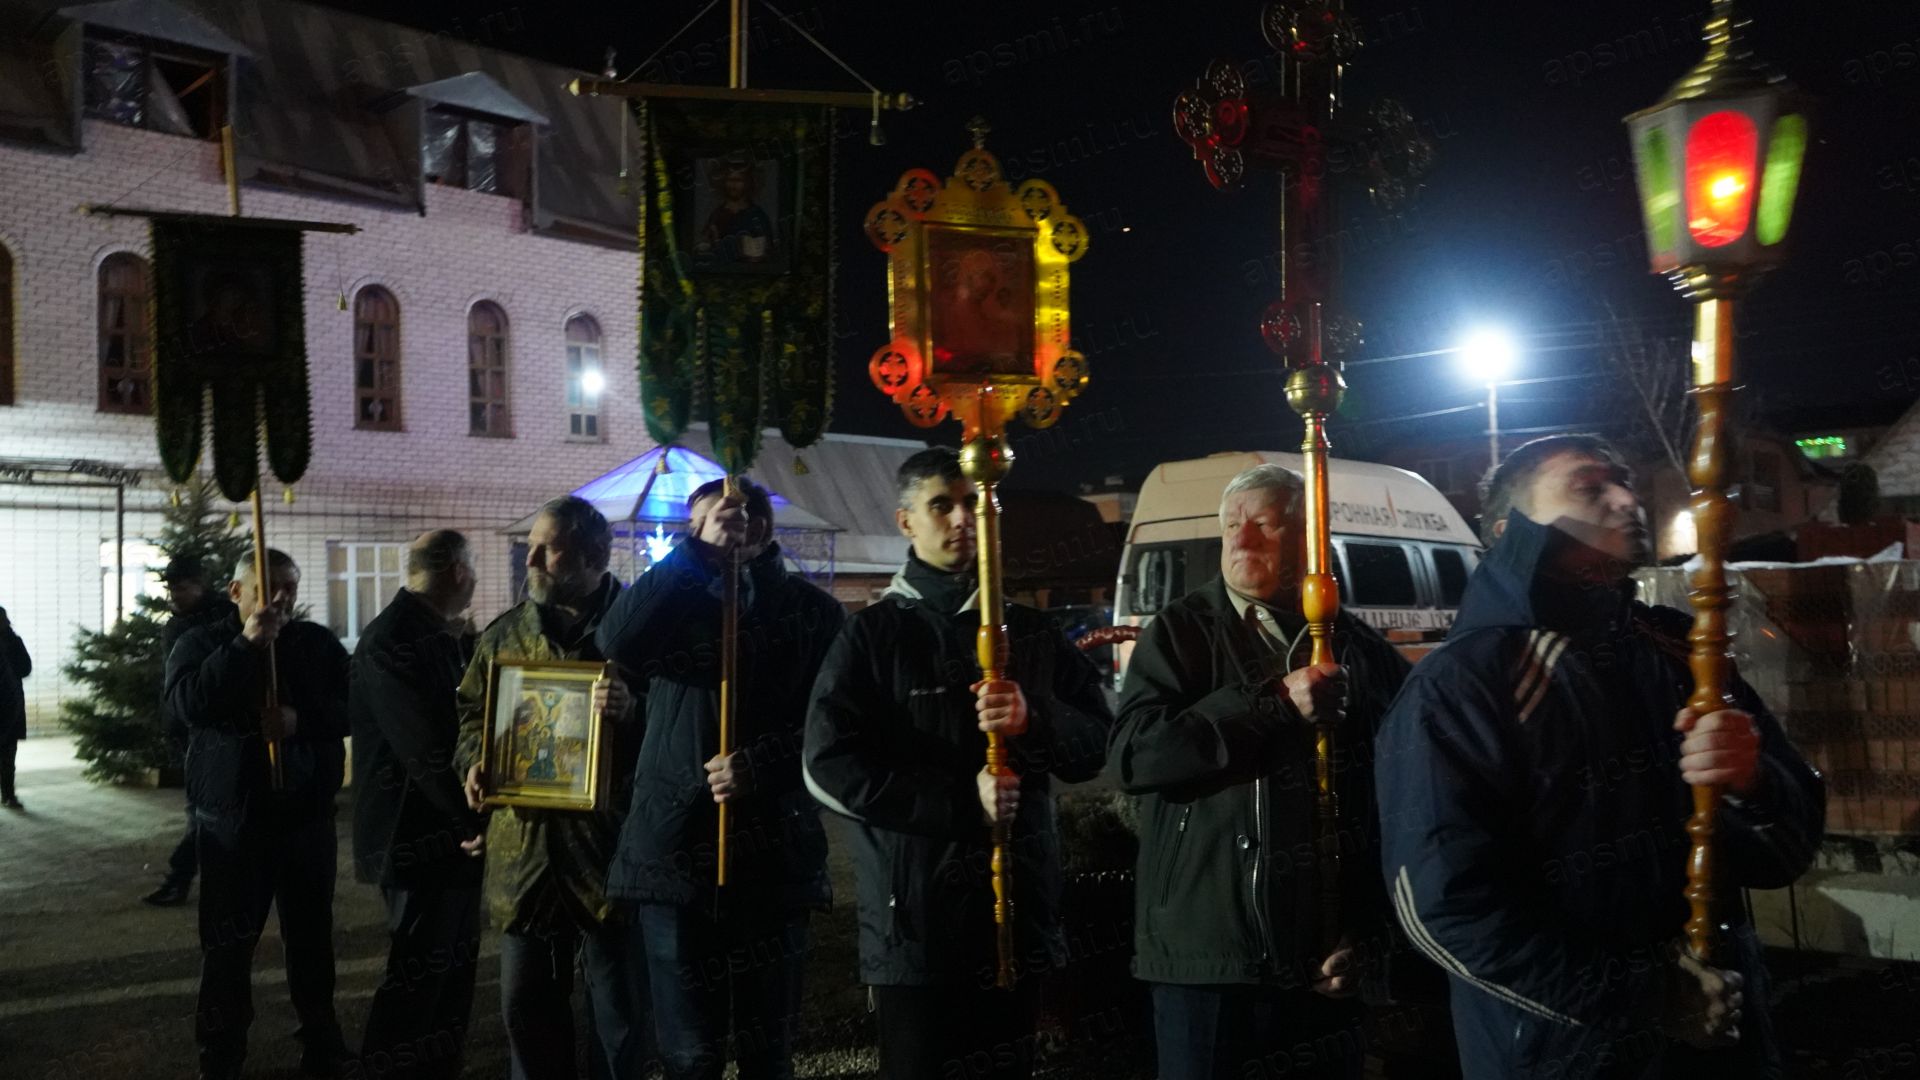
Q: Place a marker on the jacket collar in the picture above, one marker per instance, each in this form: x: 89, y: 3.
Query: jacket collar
x: 948, y: 593
x: 1509, y: 588
x: 415, y: 609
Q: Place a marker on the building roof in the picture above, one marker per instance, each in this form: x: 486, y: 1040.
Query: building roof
x: 310, y: 84
x: 156, y: 19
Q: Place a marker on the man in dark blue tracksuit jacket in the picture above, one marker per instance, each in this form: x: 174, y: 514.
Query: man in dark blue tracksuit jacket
x: 1533, y: 782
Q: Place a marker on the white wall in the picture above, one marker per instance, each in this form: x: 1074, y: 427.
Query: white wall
x: 361, y: 485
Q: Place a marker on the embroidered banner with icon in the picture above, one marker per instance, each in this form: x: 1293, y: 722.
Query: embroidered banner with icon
x: 736, y: 285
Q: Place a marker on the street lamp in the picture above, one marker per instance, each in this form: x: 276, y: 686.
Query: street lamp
x: 1487, y: 355
x: 1718, y: 165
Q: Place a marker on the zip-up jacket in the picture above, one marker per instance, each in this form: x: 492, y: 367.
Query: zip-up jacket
x: 1533, y: 818
x: 665, y: 633
x: 216, y: 684
x: 893, y: 743
x: 1227, y: 890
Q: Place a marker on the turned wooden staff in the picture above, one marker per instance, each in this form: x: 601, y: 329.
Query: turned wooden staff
x: 985, y: 459
x: 264, y: 584
x: 1709, y: 595
x: 729, y: 671
x: 1314, y: 391
x: 271, y: 700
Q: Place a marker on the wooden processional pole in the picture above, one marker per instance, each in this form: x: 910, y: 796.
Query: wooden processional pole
x: 1314, y: 391
x: 985, y: 459
x: 729, y: 672
x: 271, y: 701
x: 1709, y: 594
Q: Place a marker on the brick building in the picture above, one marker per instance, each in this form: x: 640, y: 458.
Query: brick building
x: 469, y: 350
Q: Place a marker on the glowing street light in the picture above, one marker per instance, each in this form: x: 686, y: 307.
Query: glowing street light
x: 592, y: 382
x: 1487, y: 355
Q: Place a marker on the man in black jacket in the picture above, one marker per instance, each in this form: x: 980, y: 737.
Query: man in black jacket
x: 1534, y: 800
x: 261, y: 847
x: 413, y: 834
x: 665, y: 632
x: 1216, y: 733
x: 896, y: 740
x: 15, y: 666
x: 194, y: 604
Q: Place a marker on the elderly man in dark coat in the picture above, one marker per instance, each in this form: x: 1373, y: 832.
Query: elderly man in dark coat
x: 263, y: 846
x: 1216, y: 734
x: 413, y: 833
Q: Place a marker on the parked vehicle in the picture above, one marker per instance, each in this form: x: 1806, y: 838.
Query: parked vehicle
x: 1401, y: 551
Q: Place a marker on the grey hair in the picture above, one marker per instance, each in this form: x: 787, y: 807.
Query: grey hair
x: 1265, y: 476
x: 585, y: 529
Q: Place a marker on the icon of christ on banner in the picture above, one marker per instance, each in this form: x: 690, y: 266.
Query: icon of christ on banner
x: 735, y: 208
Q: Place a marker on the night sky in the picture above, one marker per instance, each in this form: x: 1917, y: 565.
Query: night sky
x: 1528, y: 217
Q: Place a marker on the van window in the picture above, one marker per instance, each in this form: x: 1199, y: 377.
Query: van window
x: 1159, y: 575
x: 1382, y: 575
x: 1451, y: 568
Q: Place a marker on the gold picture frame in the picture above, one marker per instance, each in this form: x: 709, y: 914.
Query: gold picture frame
x: 977, y: 294
x: 542, y: 740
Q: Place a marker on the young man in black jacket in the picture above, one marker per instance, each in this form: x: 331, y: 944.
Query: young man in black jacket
x: 261, y: 847
x: 735, y: 966
x: 413, y: 833
x: 1534, y: 799
x: 194, y: 604
x: 1216, y: 733
x: 897, y: 742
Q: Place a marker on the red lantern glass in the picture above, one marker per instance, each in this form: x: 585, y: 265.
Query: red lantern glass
x: 1722, y: 158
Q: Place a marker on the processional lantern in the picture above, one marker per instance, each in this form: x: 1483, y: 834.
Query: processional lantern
x: 1718, y: 163
x: 1288, y: 124
x: 977, y: 279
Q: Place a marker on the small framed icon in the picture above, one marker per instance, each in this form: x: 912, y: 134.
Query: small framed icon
x: 542, y: 741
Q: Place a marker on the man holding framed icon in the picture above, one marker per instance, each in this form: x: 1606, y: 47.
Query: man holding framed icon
x: 539, y: 727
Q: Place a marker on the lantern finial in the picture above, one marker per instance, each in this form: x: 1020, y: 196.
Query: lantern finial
x: 1720, y: 24
x: 979, y: 127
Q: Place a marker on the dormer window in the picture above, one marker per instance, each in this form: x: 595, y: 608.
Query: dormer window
x: 154, y: 85
x: 475, y: 134
x: 461, y: 149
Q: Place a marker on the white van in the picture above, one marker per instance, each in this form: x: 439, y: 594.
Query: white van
x: 1401, y: 551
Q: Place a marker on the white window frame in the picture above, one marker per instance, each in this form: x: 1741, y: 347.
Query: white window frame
x: 346, y: 619
x: 583, y: 406
x: 140, y: 563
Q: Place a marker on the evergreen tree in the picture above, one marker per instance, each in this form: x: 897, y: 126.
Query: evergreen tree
x: 119, y: 730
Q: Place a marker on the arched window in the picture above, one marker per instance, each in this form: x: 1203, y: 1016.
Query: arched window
x: 6, y: 326
x: 126, y: 361
x: 376, y: 360
x: 585, y: 379
x: 487, y: 371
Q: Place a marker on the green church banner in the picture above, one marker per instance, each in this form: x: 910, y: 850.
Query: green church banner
x: 736, y: 277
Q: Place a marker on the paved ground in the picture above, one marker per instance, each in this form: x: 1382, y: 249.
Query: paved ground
x: 95, y: 985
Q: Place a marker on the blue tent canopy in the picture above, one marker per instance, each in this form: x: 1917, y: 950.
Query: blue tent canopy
x: 639, y: 492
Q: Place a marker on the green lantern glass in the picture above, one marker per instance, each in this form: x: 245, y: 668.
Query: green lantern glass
x: 1781, y: 180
